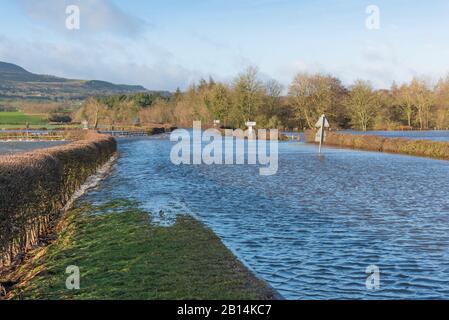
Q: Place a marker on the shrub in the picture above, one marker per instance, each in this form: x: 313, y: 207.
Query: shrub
x: 371, y: 143
x: 60, y: 118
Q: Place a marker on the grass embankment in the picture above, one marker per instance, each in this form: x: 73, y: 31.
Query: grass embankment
x: 122, y: 255
x: 420, y: 148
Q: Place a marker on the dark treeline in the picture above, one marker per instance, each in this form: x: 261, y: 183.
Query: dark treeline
x: 413, y: 105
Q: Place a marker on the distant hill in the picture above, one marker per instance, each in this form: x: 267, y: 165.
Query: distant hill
x: 12, y: 72
x: 11, y: 68
x: 16, y: 82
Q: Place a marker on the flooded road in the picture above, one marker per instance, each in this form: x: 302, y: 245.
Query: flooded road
x: 11, y: 147
x: 313, y: 229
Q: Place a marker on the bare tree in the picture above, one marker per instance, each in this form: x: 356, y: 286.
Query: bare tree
x: 405, y: 98
x: 442, y: 103
x: 362, y: 104
x: 424, y: 100
x: 94, y: 112
x: 313, y: 95
x: 248, y: 94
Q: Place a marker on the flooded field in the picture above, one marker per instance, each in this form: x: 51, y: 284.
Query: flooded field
x: 313, y: 229
x: 426, y: 135
x: 7, y: 148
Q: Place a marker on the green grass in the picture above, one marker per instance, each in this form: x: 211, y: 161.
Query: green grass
x: 122, y: 255
x: 20, y: 118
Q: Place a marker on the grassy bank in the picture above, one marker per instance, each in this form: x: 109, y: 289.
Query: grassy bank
x: 122, y: 255
x: 420, y: 148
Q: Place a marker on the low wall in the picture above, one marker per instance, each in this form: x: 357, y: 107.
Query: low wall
x: 421, y: 148
x: 35, y: 186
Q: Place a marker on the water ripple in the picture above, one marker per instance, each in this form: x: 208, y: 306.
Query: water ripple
x: 314, y: 228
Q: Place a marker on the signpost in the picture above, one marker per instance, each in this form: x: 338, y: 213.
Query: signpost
x: 250, y: 125
x: 27, y: 131
x: 322, y: 124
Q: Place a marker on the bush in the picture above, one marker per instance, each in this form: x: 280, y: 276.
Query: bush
x: 60, y: 118
x: 35, y: 186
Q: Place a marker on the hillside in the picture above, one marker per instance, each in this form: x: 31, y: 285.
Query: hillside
x: 16, y: 82
x: 12, y: 73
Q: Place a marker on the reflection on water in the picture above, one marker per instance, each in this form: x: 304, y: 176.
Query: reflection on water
x: 12, y: 147
x: 314, y: 228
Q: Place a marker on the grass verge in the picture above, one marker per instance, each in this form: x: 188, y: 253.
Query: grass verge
x: 122, y: 255
x: 16, y: 118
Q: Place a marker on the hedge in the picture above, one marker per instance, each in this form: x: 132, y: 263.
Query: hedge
x: 41, y: 136
x: 35, y: 186
x: 421, y: 148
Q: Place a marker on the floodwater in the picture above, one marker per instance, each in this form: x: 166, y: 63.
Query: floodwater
x: 426, y: 135
x: 312, y: 229
x: 12, y: 147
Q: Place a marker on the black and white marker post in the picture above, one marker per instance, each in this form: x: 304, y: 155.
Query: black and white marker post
x: 322, y: 124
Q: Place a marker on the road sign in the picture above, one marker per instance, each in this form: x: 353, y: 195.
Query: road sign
x: 323, y: 120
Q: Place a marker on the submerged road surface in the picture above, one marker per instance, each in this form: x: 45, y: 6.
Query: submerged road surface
x: 313, y: 229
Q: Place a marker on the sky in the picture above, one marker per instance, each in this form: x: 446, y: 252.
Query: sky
x: 166, y: 44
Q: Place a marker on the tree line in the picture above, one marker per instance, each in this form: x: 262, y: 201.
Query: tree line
x: 417, y: 104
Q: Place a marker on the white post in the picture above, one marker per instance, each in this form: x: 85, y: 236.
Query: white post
x: 323, y: 124
x: 251, y: 125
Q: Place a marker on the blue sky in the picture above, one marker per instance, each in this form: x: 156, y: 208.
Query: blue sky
x: 171, y: 43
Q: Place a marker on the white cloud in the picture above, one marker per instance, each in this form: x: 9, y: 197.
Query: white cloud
x: 111, y: 45
x: 97, y: 16
x: 109, y: 60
